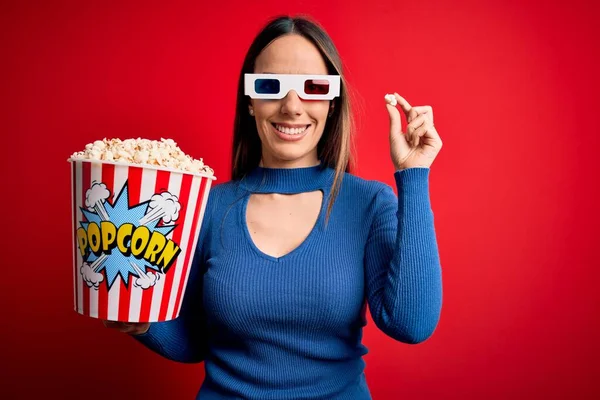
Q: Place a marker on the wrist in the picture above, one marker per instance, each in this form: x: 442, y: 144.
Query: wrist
x: 404, y: 166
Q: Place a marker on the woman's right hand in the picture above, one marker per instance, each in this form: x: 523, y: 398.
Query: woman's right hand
x: 131, y: 328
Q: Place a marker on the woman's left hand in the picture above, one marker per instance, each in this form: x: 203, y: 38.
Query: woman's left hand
x: 420, y: 144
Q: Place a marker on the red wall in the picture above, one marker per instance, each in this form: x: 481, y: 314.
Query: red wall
x: 513, y: 87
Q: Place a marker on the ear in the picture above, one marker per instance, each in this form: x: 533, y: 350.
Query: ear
x: 250, y: 108
x: 331, y: 108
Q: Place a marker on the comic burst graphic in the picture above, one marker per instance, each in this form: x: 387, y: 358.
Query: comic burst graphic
x: 119, y: 240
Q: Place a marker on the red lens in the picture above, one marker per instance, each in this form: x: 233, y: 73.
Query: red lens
x: 316, y: 86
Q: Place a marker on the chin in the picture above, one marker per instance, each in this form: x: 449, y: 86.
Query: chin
x: 283, y: 155
x: 290, y: 156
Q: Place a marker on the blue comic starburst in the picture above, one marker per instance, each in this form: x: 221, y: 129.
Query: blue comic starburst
x: 120, y: 213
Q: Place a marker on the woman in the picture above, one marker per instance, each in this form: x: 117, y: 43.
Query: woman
x: 293, y: 248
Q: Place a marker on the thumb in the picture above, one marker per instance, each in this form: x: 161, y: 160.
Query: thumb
x: 395, y: 121
x: 397, y: 139
x: 399, y: 146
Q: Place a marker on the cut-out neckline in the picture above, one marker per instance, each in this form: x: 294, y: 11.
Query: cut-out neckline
x: 313, y: 231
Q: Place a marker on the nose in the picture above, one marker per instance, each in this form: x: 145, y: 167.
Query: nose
x: 292, y: 104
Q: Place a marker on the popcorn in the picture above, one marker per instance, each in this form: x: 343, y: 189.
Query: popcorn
x: 163, y: 153
x: 391, y: 99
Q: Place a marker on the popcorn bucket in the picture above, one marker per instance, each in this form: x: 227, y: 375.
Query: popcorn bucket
x: 135, y: 231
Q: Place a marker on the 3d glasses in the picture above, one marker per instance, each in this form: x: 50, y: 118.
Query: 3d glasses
x: 276, y: 86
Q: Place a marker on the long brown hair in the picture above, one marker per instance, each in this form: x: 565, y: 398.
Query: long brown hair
x: 334, y: 148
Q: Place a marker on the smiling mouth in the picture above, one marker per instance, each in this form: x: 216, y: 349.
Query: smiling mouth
x: 290, y: 131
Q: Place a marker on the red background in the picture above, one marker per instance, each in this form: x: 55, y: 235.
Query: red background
x: 513, y: 87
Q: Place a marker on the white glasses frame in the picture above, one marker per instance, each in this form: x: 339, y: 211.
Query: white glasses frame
x: 289, y: 82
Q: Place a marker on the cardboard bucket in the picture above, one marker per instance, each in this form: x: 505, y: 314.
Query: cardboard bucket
x: 135, y: 231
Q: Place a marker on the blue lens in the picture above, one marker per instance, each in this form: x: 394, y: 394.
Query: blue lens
x: 266, y: 86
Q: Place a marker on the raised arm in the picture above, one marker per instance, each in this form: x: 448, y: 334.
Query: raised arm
x: 403, y: 272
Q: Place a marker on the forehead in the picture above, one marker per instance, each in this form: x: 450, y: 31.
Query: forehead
x: 290, y: 54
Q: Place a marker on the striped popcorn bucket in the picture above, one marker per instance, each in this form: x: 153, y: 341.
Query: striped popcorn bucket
x: 135, y: 231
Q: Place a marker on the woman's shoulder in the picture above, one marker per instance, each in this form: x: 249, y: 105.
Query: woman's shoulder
x: 362, y: 195
x: 369, y: 187
x: 220, y: 196
x: 223, y: 192
x: 224, y: 187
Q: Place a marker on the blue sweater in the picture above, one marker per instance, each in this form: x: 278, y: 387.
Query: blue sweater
x: 290, y: 327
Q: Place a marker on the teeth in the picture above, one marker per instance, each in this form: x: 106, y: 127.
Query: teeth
x: 290, y: 131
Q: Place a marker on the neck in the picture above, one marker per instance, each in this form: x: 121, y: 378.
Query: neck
x: 288, y: 180
x: 270, y: 162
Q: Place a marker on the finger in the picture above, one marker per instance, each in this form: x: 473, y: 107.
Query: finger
x: 129, y: 328
x: 423, y: 110
x: 398, y: 140
x: 109, y: 324
x: 396, y: 135
x: 426, y: 111
x: 395, y: 122
x: 116, y: 325
x: 421, y: 131
x: 435, y: 136
x: 417, y: 122
x: 406, y: 108
x: 413, y: 126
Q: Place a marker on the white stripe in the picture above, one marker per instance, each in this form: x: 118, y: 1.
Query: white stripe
x: 192, y: 201
x: 174, y: 188
x: 96, y: 176
x: 115, y: 290
x: 196, y: 235
x: 74, y: 236
x: 177, y: 269
x: 79, y: 193
x: 146, y: 192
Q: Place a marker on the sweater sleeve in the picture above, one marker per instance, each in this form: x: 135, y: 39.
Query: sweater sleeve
x: 403, y: 272
x: 184, y: 339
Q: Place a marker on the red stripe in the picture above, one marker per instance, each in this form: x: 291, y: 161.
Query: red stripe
x: 76, y: 223
x: 162, y: 185
x: 108, y: 178
x: 184, y: 194
x: 134, y: 184
x: 188, y: 251
x: 86, y: 173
